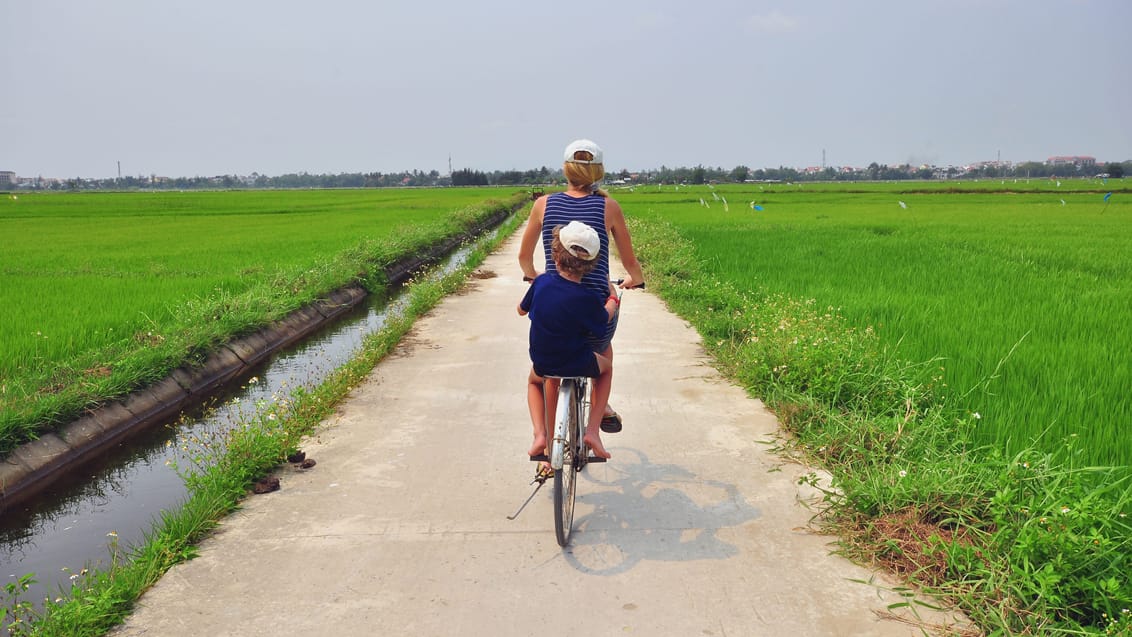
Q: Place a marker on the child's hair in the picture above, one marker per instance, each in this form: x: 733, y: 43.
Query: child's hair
x: 568, y: 263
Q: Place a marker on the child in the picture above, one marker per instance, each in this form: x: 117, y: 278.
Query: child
x: 562, y: 314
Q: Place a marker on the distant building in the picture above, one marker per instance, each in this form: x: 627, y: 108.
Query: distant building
x: 7, y: 179
x: 1080, y: 161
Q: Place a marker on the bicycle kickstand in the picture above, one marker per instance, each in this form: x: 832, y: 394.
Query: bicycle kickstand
x: 541, y: 480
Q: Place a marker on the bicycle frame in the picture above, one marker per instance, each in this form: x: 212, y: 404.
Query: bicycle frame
x: 568, y: 451
x: 571, y: 413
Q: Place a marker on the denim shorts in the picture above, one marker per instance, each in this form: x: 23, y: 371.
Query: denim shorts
x: 601, y: 343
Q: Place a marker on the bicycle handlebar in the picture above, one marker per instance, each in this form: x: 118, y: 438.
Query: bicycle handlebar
x: 639, y: 286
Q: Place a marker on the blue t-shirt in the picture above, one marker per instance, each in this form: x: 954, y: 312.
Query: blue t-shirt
x: 563, y: 314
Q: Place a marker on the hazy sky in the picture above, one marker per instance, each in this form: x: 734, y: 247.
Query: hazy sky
x: 275, y: 86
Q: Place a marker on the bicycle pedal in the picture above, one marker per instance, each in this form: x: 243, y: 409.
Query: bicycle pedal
x: 595, y: 459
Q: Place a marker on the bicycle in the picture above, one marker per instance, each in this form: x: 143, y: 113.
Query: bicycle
x: 568, y: 452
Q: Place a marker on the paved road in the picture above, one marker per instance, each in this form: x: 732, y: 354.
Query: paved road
x: 401, y: 528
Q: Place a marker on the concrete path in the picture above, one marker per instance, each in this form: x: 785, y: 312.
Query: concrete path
x: 401, y: 528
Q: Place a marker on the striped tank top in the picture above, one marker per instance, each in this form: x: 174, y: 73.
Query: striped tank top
x: 561, y: 209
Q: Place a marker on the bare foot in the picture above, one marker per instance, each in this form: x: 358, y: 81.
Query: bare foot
x: 538, y: 447
x: 593, y: 441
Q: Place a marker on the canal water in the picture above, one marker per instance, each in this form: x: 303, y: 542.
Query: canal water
x: 107, y: 507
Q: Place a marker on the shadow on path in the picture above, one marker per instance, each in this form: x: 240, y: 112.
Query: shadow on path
x: 631, y: 510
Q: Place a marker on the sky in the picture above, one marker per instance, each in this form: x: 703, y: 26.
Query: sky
x: 213, y: 87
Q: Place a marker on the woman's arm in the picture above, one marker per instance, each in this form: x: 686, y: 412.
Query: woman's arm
x: 619, y: 232
x: 531, y: 236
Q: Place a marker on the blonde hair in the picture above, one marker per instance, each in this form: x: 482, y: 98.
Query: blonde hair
x: 583, y: 176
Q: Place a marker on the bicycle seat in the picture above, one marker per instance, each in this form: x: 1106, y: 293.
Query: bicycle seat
x: 569, y: 377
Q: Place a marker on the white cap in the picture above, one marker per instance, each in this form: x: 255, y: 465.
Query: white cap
x: 578, y: 235
x: 583, y: 145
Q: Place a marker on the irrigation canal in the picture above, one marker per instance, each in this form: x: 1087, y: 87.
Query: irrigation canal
x: 109, y: 506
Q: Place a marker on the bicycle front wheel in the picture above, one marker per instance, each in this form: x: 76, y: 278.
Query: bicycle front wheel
x: 566, y: 477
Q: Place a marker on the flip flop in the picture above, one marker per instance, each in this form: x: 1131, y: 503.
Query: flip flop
x: 611, y: 423
x: 544, y: 473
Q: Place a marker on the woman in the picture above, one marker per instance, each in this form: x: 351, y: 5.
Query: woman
x: 583, y: 201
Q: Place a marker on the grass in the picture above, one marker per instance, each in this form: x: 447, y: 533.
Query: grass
x: 102, y: 598
x: 1019, y: 301
x: 1036, y: 541
x: 1026, y: 542
x: 104, y: 293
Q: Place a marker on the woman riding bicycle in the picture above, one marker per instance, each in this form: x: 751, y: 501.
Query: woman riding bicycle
x: 583, y: 201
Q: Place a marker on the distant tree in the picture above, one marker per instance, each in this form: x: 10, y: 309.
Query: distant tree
x: 468, y: 177
x: 1031, y: 169
x: 508, y: 178
x: 1114, y: 170
x: 739, y: 174
x: 697, y: 176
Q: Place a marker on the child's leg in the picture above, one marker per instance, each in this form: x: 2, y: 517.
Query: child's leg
x: 537, y: 406
x: 551, y: 395
x: 602, y: 385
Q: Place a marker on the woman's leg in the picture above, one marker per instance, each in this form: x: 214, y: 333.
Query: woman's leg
x: 604, y: 409
x: 600, y: 399
x: 604, y: 347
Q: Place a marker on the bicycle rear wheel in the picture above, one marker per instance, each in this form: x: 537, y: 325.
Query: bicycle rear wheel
x: 566, y: 477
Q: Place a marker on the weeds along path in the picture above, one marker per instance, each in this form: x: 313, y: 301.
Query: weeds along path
x: 692, y: 527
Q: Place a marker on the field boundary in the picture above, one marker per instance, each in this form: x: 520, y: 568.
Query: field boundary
x: 34, y: 466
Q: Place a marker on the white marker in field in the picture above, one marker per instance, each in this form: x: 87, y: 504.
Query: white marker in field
x: 903, y: 205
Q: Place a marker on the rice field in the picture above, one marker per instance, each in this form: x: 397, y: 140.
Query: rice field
x: 90, y: 279
x: 1020, y: 293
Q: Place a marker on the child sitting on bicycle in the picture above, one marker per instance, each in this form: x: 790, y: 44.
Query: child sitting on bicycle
x: 563, y: 313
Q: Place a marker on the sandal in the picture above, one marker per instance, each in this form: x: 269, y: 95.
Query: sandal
x: 544, y: 473
x: 611, y: 422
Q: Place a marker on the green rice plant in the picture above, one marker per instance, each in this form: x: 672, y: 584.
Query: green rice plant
x: 224, y: 472
x: 103, y: 293
x: 1017, y: 299
x: 1036, y: 543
